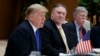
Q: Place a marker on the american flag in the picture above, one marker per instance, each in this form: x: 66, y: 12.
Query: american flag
x: 84, y: 46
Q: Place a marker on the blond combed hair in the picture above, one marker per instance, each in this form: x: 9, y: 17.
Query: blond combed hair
x: 35, y: 7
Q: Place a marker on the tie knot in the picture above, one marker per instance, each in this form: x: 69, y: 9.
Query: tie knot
x: 80, y: 32
x: 37, y: 33
x: 80, y: 28
x: 59, y: 27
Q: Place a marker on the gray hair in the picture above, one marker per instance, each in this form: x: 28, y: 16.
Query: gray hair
x: 35, y: 7
x: 80, y: 9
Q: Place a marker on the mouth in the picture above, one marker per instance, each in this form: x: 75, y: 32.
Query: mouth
x: 42, y: 22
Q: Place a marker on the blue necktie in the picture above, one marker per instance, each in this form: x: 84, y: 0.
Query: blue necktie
x: 37, y: 40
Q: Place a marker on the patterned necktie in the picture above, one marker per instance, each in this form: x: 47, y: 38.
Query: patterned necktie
x: 64, y: 38
x: 37, y: 40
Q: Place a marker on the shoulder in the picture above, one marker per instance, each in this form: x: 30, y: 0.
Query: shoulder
x: 49, y: 23
x: 22, y: 31
x: 70, y: 25
x: 23, y: 28
x: 95, y: 29
x: 24, y: 25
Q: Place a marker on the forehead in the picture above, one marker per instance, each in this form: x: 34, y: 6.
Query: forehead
x: 40, y: 12
x: 82, y: 13
x: 62, y: 9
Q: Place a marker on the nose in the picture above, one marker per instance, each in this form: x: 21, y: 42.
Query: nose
x: 61, y: 15
x: 83, y: 20
x: 84, y: 17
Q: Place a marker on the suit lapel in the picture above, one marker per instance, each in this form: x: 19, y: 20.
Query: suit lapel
x: 56, y: 31
x: 74, y: 32
x: 32, y: 37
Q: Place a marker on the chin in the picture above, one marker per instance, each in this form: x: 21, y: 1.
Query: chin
x: 41, y: 26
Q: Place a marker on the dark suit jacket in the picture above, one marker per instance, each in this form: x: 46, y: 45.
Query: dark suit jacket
x: 95, y: 36
x: 22, y: 41
x: 73, y: 32
x: 52, y: 43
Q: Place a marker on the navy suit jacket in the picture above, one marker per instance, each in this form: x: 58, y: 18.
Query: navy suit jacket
x: 95, y: 36
x: 21, y: 41
x: 52, y: 43
x: 73, y: 32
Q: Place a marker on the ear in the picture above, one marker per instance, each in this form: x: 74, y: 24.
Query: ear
x: 31, y: 15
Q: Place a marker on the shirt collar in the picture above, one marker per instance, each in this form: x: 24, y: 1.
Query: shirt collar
x: 33, y: 27
x: 77, y: 26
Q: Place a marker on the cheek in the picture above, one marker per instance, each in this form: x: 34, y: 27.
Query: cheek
x: 81, y: 21
x: 56, y: 15
x: 40, y: 21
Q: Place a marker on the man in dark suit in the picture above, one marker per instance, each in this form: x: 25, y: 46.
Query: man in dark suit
x: 23, y: 39
x: 52, y: 42
x: 76, y: 26
x: 95, y: 36
x: 95, y: 33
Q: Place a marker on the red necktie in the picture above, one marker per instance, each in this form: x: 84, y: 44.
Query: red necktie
x: 80, y: 32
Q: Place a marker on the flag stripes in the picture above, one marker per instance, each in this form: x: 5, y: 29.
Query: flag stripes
x: 84, y: 46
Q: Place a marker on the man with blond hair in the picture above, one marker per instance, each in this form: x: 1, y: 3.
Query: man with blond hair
x: 25, y: 38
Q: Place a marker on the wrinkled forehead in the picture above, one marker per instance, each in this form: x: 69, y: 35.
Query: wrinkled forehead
x: 82, y: 13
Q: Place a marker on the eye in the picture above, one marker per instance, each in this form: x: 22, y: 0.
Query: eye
x: 61, y: 13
